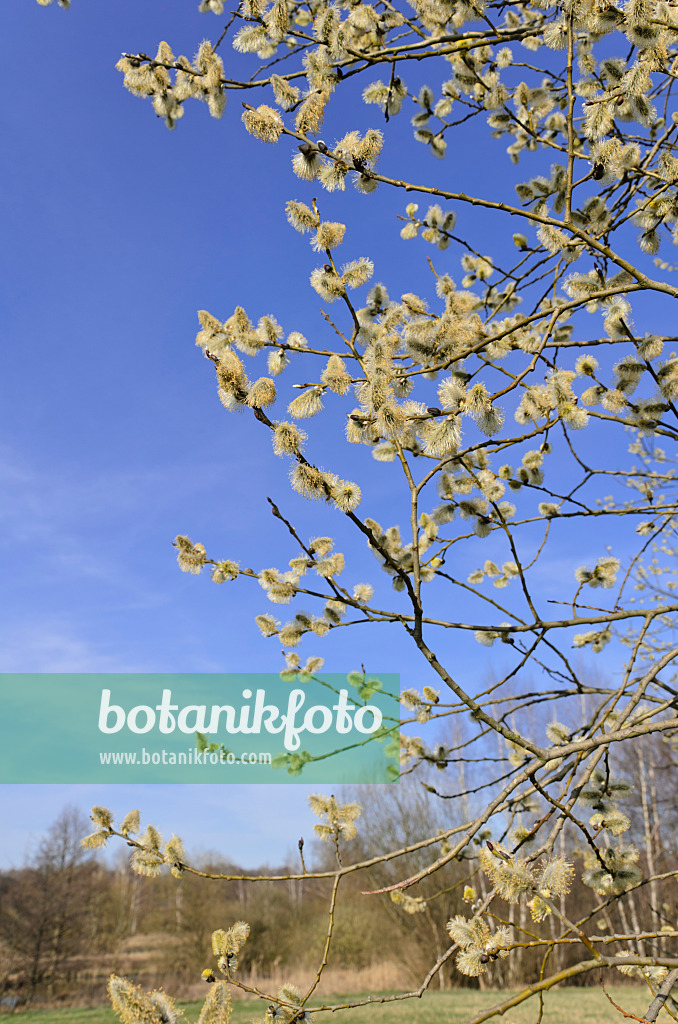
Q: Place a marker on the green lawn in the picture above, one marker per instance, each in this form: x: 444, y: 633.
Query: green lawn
x: 563, y: 1006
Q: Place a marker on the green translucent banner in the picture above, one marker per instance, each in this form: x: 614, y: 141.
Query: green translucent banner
x: 191, y: 727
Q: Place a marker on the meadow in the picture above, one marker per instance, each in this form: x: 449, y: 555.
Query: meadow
x: 562, y: 1006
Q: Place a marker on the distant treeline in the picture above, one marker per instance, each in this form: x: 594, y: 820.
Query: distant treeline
x: 67, y: 919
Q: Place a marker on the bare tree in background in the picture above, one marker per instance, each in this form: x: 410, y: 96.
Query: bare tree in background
x: 48, y: 910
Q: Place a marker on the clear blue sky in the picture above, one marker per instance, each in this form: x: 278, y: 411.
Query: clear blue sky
x: 116, y: 231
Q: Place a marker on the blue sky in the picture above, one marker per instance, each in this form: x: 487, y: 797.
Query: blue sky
x: 116, y: 231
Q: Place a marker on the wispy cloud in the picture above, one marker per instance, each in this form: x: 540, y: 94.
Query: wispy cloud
x: 34, y: 647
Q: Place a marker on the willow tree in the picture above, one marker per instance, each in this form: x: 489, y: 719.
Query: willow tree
x: 516, y: 395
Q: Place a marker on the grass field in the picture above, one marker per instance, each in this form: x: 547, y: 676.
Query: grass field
x: 563, y: 1006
